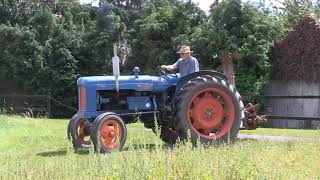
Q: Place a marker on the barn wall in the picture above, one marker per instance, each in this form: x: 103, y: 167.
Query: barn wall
x: 293, y: 107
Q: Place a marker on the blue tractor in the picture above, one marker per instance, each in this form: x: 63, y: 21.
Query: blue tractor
x: 203, y: 103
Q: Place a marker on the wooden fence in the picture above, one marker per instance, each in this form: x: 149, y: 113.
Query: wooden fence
x: 289, y: 111
x: 33, y: 105
x: 294, y: 104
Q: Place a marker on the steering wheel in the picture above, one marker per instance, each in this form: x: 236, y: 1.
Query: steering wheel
x: 163, y: 71
x: 166, y: 71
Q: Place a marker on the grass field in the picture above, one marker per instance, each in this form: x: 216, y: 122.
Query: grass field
x: 39, y: 149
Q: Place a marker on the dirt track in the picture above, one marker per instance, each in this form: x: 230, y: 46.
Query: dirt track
x: 277, y: 138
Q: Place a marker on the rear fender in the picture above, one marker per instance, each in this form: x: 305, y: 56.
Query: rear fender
x: 188, y: 77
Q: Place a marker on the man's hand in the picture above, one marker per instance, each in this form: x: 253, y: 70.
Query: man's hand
x: 163, y: 67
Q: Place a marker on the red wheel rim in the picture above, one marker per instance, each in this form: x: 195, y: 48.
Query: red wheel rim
x: 211, y: 113
x: 81, y: 133
x: 111, y: 133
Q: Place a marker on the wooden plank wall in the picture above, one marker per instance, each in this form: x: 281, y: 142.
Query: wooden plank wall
x: 293, y: 107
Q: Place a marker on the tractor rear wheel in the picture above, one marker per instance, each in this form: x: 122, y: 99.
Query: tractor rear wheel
x: 108, y: 133
x: 79, y: 132
x: 210, y: 108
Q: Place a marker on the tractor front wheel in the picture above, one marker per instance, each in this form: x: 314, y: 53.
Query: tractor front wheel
x: 108, y: 133
x: 79, y: 132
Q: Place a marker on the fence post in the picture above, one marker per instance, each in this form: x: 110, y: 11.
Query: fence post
x: 13, y: 100
x: 49, y: 105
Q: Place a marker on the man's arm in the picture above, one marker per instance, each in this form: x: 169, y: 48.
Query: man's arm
x: 171, y: 67
x: 197, y: 66
x: 194, y: 66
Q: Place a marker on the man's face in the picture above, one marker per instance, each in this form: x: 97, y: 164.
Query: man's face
x: 184, y: 55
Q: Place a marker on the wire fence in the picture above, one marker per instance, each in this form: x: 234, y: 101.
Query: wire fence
x: 31, y: 105
x: 281, y: 111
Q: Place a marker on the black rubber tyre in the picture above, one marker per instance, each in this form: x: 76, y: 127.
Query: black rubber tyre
x: 210, y: 108
x: 168, y: 135
x: 148, y: 120
x: 108, y: 133
x: 69, y: 127
x: 79, y: 132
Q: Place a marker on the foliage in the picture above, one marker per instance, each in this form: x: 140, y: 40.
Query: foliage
x: 242, y: 28
x: 165, y: 26
x: 19, y: 11
x: 293, y: 10
x: 55, y: 45
x: 20, y: 51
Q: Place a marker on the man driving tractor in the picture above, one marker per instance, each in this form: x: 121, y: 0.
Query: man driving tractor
x: 202, y: 103
x: 187, y: 64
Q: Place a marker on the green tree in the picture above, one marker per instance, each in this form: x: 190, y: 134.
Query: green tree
x: 127, y: 10
x: 56, y: 44
x: 165, y: 26
x: 17, y: 11
x: 20, y: 52
x: 242, y: 28
x: 293, y: 10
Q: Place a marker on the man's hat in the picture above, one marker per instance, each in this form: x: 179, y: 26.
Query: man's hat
x: 184, y: 49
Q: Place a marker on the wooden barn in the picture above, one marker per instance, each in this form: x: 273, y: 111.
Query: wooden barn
x: 295, y: 84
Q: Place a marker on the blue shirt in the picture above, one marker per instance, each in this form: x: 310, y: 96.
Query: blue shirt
x: 187, y: 66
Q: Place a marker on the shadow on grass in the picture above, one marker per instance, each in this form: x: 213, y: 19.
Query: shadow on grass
x: 52, y: 153
x: 137, y: 147
x: 61, y: 152
x: 245, y: 140
x: 132, y: 147
x: 219, y: 144
x: 150, y: 147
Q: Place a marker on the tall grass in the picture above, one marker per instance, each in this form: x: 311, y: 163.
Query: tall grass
x: 39, y: 149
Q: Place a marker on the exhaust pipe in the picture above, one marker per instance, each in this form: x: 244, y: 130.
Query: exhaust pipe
x: 116, y: 66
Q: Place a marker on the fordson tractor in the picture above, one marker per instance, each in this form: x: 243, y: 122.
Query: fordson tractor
x: 203, y: 105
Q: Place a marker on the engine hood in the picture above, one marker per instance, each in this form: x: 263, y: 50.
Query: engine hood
x: 141, y: 83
